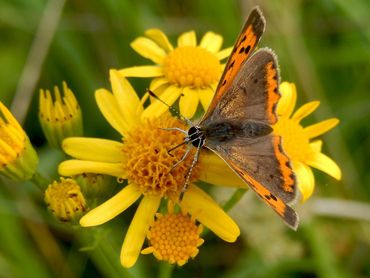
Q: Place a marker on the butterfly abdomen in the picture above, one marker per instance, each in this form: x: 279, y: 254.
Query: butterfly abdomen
x: 230, y: 130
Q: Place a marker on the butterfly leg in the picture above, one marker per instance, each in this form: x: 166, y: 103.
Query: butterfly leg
x: 188, y: 175
x: 183, y: 157
x: 176, y: 129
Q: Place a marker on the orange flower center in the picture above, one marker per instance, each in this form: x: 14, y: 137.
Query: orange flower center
x: 148, y: 163
x: 192, y: 66
x: 174, y: 238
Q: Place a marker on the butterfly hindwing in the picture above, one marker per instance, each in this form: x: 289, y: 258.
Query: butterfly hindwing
x: 261, y: 163
x: 262, y: 159
x: 243, y: 48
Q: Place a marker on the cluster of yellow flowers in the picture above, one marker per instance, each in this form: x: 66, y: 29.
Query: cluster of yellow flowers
x: 189, y: 73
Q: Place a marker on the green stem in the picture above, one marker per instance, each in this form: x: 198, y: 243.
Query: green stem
x: 40, y: 181
x: 234, y: 199
x: 165, y: 270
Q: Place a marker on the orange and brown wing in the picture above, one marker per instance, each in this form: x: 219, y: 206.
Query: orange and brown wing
x: 254, y: 93
x: 243, y: 48
x: 262, y: 163
x: 279, y: 206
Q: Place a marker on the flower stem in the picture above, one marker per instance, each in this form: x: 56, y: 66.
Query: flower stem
x: 40, y: 181
x: 165, y: 270
x: 234, y: 199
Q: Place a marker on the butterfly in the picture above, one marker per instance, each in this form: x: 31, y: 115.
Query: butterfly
x: 237, y: 124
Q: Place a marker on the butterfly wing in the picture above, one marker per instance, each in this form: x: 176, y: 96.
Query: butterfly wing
x: 262, y: 164
x: 260, y: 161
x: 244, y: 46
x: 253, y: 95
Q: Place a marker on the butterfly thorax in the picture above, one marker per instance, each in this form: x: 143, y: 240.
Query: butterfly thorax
x: 230, y: 130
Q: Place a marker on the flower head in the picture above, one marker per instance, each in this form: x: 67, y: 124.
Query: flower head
x: 174, y: 238
x: 142, y: 159
x: 59, y: 118
x: 189, y: 71
x: 65, y: 199
x: 18, y: 159
x: 297, y: 140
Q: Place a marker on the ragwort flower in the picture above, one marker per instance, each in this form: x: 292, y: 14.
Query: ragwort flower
x: 189, y: 71
x: 18, y: 159
x: 297, y: 140
x: 143, y: 159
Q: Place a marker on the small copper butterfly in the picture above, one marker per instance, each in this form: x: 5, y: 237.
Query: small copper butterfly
x: 237, y: 124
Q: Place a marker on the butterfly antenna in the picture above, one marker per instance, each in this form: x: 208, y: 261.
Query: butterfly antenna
x: 173, y: 109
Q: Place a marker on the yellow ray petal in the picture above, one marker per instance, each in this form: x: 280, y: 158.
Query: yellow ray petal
x: 212, y: 42
x: 188, y: 102
x: 126, y: 97
x: 138, y: 229
x: 225, y: 53
x: 149, y: 49
x: 320, y: 128
x: 112, y: 207
x: 157, y: 82
x: 141, y: 71
x: 205, y: 97
x: 9, y: 116
x: 160, y: 38
x: 187, y: 39
x: 305, y: 110
x: 316, y: 145
x: 109, y: 108
x: 201, y: 206
x: 74, y: 167
x: 305, y: 179
x: 93, y: 149
x: 288, y: 99
x: 216, y: 171
x: 325, y: 164
x: 157, y: 108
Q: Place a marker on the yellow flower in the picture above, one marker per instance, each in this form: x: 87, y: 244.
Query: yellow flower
x: 59, y: 118
x: 297, y: 140
x: 18, y: 159
x: 65, y: 199
x: 143, y: 159
x: 188, y: 71
x: 174, y: 237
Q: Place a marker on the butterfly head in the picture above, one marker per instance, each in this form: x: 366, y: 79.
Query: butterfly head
x: 196, y: 136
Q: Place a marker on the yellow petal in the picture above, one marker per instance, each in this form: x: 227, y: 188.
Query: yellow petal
x: 160, y: 38
x: 188, y: 102
x: 212, y: 42
x: 112, y: 207
x: 74, y: 167
x: 201, y: 206
x: 216, y: 171
x: 9, y: 116
x: 205, y: 97
x: 316, y: 145
x: 305, y: 179
x: 126, y: 97
x: 157, y: 108
x: 288, y: 99
x: 109, y: 108
x: 325, y: 164
x: 138, y: 229
x: 93, y: 149
x: 224, y: 53
x: 149, y: 49
x: 142, y: 71
x: 157, y: 82
x: 305, y: 110
x: 320, y: 128
x: 187, y: 39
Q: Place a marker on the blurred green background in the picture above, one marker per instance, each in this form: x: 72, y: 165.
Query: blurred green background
x: 323, y: 46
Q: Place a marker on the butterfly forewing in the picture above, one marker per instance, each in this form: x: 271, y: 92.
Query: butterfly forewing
x: 243, y: 48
